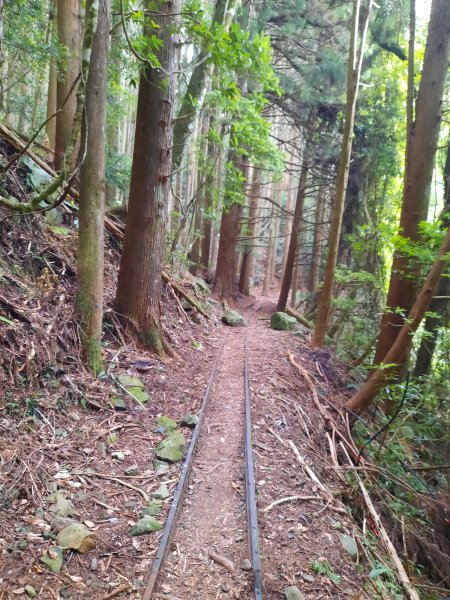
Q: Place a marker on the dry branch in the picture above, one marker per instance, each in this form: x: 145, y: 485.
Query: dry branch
x: 402, y: 575
x: 300, y: 318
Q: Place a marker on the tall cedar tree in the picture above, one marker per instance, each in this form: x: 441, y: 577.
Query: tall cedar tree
x: 69, y: 36
x: 139, y: 284
x: 293, y: 240
x: 420, y: 158
x: 89, y: 299
x: 353, y: 77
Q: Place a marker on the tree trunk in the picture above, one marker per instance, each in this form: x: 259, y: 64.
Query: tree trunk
x: 69, y: 34
x: 199, y: 206
x: 248, y: 256
x: 50, y: 128
x: 113, y: 127
x: 419, y: 170
x: 290, y: 261
x: 287, y: 223
x: 225, y: 279
x: 90, y: 259
x: 314, y: 273
x: 353, y: 76
x: 399, y: 350
x: 139, y: 284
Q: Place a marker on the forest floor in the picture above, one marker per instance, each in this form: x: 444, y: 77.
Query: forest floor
x: 68, y: 456
x: 96, y: 466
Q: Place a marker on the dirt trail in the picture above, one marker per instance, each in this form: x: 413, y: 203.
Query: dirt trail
x: 213, y: 517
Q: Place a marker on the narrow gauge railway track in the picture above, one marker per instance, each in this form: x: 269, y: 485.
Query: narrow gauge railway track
x: 180, y: 492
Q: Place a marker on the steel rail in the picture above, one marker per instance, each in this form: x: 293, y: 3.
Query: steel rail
x: 252, y: 514
x: 169, y: 527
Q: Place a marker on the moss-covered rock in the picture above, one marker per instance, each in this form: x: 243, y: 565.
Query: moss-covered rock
x: 171, y: 449
x: 134, y: 386
x: 232, y: 318
x: 282, y: 322
x: 146, y: 525
x: 165, y: 424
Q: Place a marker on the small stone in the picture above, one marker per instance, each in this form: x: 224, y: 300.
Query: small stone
x: 130, y: 504
x: 131, y: 471
x: 64, y: 593
x: 53, y: 559
x: 293, y: 593
x: 74, y: 416
x: 118, y: 455
x: 308, y: 578
x: 161, y: 469
x: 350, y: 545
x: 162, y: 492
x: 94, y: 564
x: 82, y: 497
x: 239, y: 538
x: 246, y: 565
x: 117, y: 403
x: 146, y: 525
x: 225, y: 587
x: 30, y: 591
x: 189, y: 420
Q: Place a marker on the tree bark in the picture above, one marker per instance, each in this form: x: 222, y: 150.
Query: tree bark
x: 314, y: 273
x: 69, y: 34
x: 90, y: 259
x: 354, y: 72
x: 139, y: 284
x: 287, y: 223
x: 419, y: 171
x: 50, y: 128
x: 293, y: 241
x: 199, y: 206
x: 248, y: 257
x: 397, y: 354
x: 113, y: 122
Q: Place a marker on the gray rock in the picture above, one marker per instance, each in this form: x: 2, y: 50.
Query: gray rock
x: 118, y: 455
x: 246, y: 565
x: 132, y: 470
x: 293, y: 593
x: 282, y: 322
x: 161, y: 469
x: 232, y: 318
x: 161, y: 493
x: 350, y: 545
x: 307, y: 577
x: 189, y: 420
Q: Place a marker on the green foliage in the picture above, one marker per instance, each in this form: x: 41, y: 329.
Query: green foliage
x: 323, y: 567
